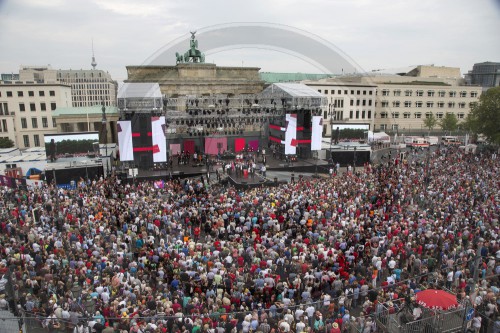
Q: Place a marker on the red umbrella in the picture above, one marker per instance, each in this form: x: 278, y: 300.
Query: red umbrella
x: 436, y: 299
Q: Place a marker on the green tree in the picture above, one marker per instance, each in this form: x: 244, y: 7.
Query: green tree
x: 485, y: 116
x: 430, y: 122
x: 449, y: 122
x: 6, y: 143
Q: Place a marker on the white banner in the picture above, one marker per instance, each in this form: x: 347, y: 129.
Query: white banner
x: 317, y: 132
x: 159, y: 141
x: 291, y: 134
x: 125, y: 145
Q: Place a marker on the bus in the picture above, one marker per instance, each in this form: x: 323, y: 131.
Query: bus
x: 450, y: 141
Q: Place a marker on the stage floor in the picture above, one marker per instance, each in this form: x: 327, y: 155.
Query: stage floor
x: 276, y: 168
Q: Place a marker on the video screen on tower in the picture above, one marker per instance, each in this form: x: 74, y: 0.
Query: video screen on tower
x: 71, y: 145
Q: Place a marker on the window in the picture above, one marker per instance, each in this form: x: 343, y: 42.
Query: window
x: 440, y: 104
x: 351, y: 114
x: 473, y: 94
x: 357, y: 114
x: 383, y: 115
x: 22, y: 108
x: 24, y: 123
x: 31, y: 93
x: 408, y: 92
x: 36, y: 140
x: 461, y: 105
x: 428, y: 115
x: 358, y: 92
x: 352, y: 92
x: 45, y: 123
x: 385, y: 104
x: 441, y: 93
x: 370, y: 92
x: 383, y: 127
x: 352, y: 102
x: 461, y: 115
x: 9, y: 93
x: 395, y: 115
x: 41, y: 93
x: 54, y: 124
x: 463, y: 94
x: 43, y: 107
x: 364, y: 102
x: 358, y: 102
x: 32, y: 107
x: 396, y: 104
x: 369, y: 102
x: 418, y: 115
x: 395, y: 127
x: 52, y: 93
x: 397, y: 92
x: 20, y: 94
x: 452, y: 94
x: 2, y: 107
x: 26, y: 140
x: 364, y: 92
x: 407, y: 104
x: 52, y: 106
x: 451, y: 104
x: 369, y: 114
x: 385, y: 92
x: 4, y: 125
x: 34, y: 122
x: 418, y: 104
x: 338, y: 92
x: 439, y: 115
x: 472, y: 104
x: 430, y: 104
x: 363, y: 114
x: 346, y: 92
x: 430, y: 93
x: 319, y: 90
x: 420, y: 93
x: 406, y: 115
x: 326, y: 92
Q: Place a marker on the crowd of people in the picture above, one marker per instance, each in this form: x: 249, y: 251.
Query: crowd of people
x: 317, y: 255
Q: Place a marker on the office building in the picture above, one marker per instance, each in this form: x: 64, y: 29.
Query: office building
x: 26, y: 110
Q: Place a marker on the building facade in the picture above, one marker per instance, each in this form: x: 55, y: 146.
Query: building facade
x: 347, y: 103
x: 485, y: 74
x: 89, y: 87
x: 26, y: 110
x: 402, y: 102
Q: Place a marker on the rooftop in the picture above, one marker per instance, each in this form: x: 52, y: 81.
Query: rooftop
x: 87, y: 110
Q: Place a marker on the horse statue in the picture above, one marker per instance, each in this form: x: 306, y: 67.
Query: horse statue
x: 193, y: 54
x: 179, y: 58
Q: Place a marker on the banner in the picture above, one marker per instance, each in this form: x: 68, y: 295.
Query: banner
x: 175, y: 148
x: 291, y: 134
x: 159, y: 140
x: 317, y: 132
x: 214, y: 146
x: 124, y: 129
x: 239, y: 144
x: 253, y: 144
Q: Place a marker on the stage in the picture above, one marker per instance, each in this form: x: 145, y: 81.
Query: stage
x: 274, y: 166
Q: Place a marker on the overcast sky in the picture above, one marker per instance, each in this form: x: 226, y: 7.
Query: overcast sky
x: 375, y: 34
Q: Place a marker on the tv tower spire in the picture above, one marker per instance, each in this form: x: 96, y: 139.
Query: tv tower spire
x: 93, y: 63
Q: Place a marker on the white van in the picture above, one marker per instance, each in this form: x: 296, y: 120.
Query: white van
x: 450, y: 141
x: 419, y: 142
x: 433, y: 140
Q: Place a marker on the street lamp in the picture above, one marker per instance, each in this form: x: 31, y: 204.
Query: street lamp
x: 104, y: 130
x: 354, y: 160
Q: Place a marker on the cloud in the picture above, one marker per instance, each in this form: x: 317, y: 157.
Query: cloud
x: 376, y: 34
